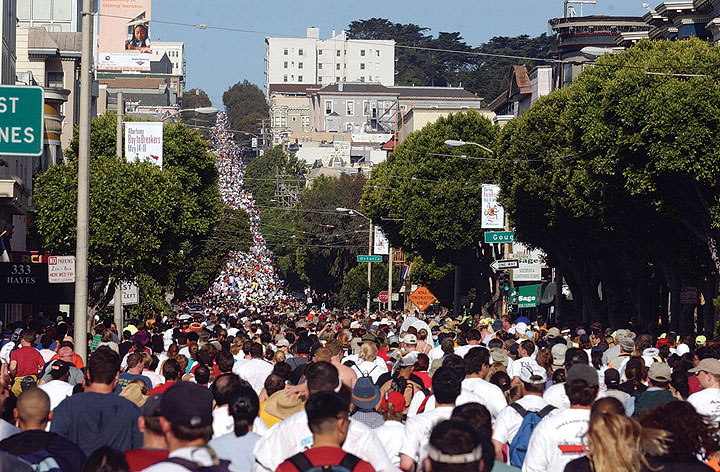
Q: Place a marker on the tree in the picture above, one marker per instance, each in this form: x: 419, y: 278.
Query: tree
x: 246, y: 107
x: 436, y: 198
x: 143, y: 220
x: 196, y: 98
x: 355, y: 287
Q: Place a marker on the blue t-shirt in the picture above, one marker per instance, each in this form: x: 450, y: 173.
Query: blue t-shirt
x: 126, y: 378
x: 91, y: 420
x: 238, y: 450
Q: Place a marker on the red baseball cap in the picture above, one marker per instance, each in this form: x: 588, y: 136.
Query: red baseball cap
x: 396, y: 399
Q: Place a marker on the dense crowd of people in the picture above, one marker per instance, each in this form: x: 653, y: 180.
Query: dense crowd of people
x: 247, y: 379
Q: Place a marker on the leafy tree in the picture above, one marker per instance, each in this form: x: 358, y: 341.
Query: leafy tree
x: 355, y: 287
x: 246, y: 106
x: 196, y: 98
x: 143, y: 220
x: 438, y: 196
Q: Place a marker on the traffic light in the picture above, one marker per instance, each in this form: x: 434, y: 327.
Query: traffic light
x: 505, y: 283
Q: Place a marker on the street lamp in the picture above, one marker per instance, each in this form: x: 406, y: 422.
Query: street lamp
x: 350, y: 211
x: 201, y: 110
x: 457, y: 143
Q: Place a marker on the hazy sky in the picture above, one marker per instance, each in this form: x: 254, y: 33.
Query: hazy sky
x: 218, y: 59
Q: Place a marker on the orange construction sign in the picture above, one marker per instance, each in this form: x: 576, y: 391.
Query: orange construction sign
x: 422, y: 298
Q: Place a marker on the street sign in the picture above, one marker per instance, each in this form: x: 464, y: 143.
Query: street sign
x: 21, y: 120
x: 422, y: 298
x: 499, y: 236
x: 61, y: 269
x: 28, y: 283
x: 383, y: 296
x: 688, y: 295
x: 369, y: 258
x: 505, y: 264
x: 396, y: 297
x: 130, y: 294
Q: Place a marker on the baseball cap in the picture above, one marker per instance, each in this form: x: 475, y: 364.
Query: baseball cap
x: 409, y: 359
x: 582, y: 372
x: 152, y: 405
x: 553, y: 333
x: 709, y: 365
x: 409, y: 339
x: 282, y: 343
x: 497, y: 325
x: 558, y: 354
x: 529, y: 371
x: 396, y: 399
x: 627, y: 343
x: 59, y: 368
x: 498, y: 355
x: 660, y: 372
x: 187, y: 404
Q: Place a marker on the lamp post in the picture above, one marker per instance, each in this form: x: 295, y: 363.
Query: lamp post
x: 457, y: 143
x: 370, y: 247
x: 201, y: 110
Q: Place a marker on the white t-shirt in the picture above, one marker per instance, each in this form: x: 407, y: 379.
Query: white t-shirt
x: 155, y: 379
x: 255, y: 371
x: 556, y: 396
x: 557, y: 440
x: 462, y: 350
x: 707, y: 403
x: 293, y: 435
x: 5, y: 352
x: 47, y: 354
x: 518, y: 365
x: 223, y: 423
x: 57, y: 390
x: 390, y: 435
x: 419, y: 397
x: 199, y: 455
x: 370, y: 369
x: 418, y: 429
x: 509, y: 420
x: 491, y: 395
x: 435, y: 353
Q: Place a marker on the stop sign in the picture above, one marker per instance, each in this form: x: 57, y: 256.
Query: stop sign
x: 383, y: 296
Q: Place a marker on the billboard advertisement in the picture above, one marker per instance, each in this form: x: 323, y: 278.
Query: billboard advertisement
x: 124, y: 36
x: 381, y: 245
x: 493, y: 214
x: 144, y: 142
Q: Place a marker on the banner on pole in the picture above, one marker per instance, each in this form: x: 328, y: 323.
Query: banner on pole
x: 381, y: 243
x: 144, y: 142
x: 493, y: 214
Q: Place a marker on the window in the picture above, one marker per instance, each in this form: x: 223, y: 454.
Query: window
x: 320, y: 66
x: 350, y: 107
x: 284, y: 78
x: 337, y: 53
x: 377, y: 78
x: 377, y: 53
x: 362, y: 52
x: 300, y: 65
x: 277, y: 121
x: 362, y: 79
x: 328, y: 106
x: 55, y: 80
x: 366, y: 107
x: 337, y: 66
x: 285, y: 65
x: 300, y: 52
x: 362, y: 66
x: 285, y: 52
x: 294, y: 118
x: 369, y: 78
x: 320, y: 52
x: 337, y: 79
x: 300, y: 78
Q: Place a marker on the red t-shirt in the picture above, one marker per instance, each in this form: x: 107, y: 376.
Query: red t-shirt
x: 139, y: 459
x: 320, y: 456
x: 694, y: 384
x: 161, y: 388
x: 29, y: 361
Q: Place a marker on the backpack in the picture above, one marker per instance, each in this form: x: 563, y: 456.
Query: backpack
x: 519, y: 445
x: 398, y: 384
x: 303, y: 464
x: 221, y: 466
x: 41, y: 460
x: 427, y: 394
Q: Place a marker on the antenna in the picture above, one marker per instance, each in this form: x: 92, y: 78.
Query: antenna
x: 577, y: 2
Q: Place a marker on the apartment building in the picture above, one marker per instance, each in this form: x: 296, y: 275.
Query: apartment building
x: 54, y: 15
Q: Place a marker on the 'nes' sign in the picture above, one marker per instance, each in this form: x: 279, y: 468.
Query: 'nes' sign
x: 21, y: 120
x: 61, y: 269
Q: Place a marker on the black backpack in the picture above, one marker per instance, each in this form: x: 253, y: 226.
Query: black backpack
x: 303, y: 464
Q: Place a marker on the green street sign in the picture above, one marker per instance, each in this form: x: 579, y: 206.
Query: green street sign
x: 369, y: 258
x: 21, y: 120
x: 499, y: 236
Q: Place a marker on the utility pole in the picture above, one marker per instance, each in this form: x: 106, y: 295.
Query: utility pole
x: 370, y: 251
x: 117, y: 298
x: 390, y: 275
x: 81, y: 249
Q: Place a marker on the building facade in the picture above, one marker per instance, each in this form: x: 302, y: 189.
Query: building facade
x: 682, y: 19
x: 54, y: 15
x: 312, y: 60
x: 175, y: 52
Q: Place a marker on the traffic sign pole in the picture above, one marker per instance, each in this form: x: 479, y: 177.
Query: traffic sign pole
x: 117, y: 305
x: 370, y: 250
x: 21, y: 120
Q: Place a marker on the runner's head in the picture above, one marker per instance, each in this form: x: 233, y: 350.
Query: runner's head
x: 104, y: 366
x: 186, y: 415
x: 33, y: 409
x: 327, y: 414
x: 446, y: 385
x: 321, y: 377
x: 455, y: 446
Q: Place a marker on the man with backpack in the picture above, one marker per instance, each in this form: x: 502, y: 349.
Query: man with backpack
x: 43, y: 450
x: 516, y: 422
x: 327, y: 414
x: 185, y: 415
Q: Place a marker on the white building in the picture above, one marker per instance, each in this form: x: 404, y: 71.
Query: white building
x: 175, y: 51
x: 54, y: 15
x: 315, y: 61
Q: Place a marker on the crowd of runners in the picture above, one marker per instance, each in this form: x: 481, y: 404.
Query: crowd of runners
x: 247, y: 379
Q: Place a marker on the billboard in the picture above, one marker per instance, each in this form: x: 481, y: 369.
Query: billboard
x: 381, y: 245
x: 124, y: 36
x: 493, y: 214
x: 144, y: 142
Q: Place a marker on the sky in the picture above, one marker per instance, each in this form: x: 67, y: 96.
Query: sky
x: 217, y: 59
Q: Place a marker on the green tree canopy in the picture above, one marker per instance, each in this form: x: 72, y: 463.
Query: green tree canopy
x: 246, y: 107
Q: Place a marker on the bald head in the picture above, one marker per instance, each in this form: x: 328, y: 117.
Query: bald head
x: 33, y: 409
